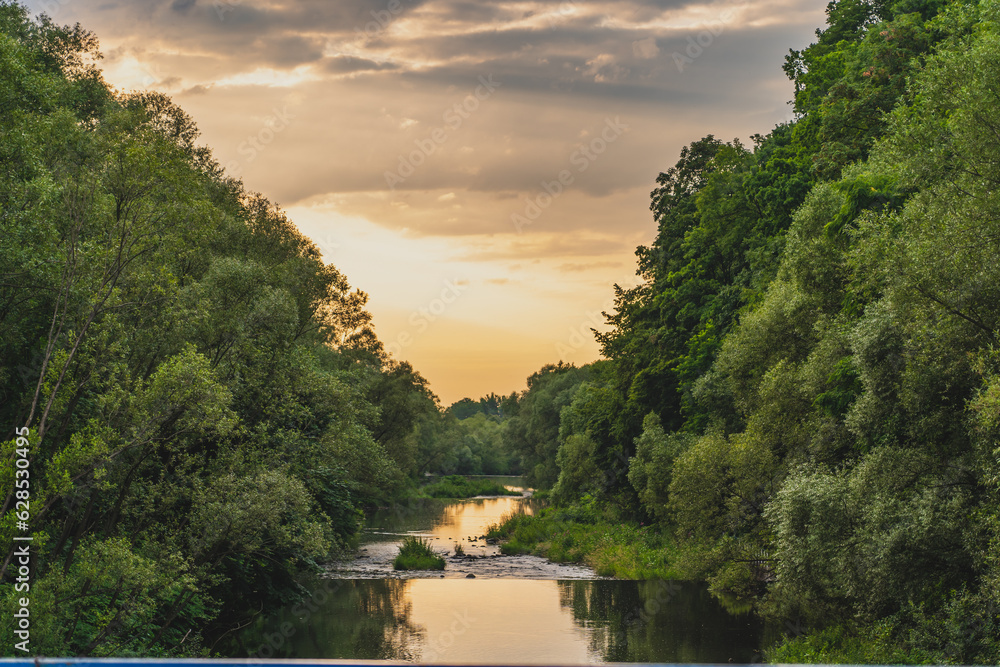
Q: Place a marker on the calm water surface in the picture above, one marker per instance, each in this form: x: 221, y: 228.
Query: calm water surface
x: 517, y: 609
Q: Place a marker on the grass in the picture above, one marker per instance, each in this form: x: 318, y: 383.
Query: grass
x: 838, y: 645
x: 626, y: 551
x: 416, y: 554
x: 459, y: 551
x: 457, y: 486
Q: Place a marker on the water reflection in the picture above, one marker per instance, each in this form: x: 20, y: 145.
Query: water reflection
x: 364, y: 620
x: 447, y: 521
x: 515, y: 610
x: 496, y: 620
x: 661, y: 621
x: 446, y: 524
x: 490, y: 621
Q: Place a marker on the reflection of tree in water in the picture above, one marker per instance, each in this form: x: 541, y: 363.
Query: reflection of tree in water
x: 383, y: 629
x: 413, y: 515
x: 359, y: 619
x: 660, y: 621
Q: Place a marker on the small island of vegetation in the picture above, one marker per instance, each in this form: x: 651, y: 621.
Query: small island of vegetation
x: 415, y: 553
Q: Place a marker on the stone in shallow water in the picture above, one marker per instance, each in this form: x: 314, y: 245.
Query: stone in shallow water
x: 470, y: 576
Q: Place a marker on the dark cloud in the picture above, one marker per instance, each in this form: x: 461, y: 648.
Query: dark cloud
x: 287, y: 51
x: 196, y: 90
x: 562, y: 73
x: 563, y: 38
x: 350, y: 64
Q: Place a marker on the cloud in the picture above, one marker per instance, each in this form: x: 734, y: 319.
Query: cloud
x: 579, y: 268
x: 182, y: 6
x: 545, y: 246
x: 350, y: 64
x: 645, y: 48
x: 365, y: 84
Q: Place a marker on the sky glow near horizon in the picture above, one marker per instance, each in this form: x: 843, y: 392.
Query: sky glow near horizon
x: 481, y: 171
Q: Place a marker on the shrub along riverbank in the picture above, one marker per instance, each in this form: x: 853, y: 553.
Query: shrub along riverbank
x: 416, y: 554
x: 457, y: 486
x: 581, y: 535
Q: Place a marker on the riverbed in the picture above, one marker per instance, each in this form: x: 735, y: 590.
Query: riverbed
x: 487, y: 608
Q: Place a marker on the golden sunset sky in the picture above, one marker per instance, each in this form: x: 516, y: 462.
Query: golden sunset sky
x: 481, y: 170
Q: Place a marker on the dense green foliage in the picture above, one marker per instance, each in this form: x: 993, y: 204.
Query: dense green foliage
x: 416, y: 554
x: 805, y: 389
x: 456, y: 486
x: 582, y: 534
x: 206, y: 406
x: 469, y: 446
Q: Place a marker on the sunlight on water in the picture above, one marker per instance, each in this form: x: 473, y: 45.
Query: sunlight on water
x: 467, y: 522
x: 495, y: 620
x: 516, y: 609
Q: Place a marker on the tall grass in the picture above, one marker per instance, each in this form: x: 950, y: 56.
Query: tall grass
x: 456, y: 486
x: 415, y: 554
x: 612, y: 549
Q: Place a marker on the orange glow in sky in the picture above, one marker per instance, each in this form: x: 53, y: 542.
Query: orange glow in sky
x: 482, y: 171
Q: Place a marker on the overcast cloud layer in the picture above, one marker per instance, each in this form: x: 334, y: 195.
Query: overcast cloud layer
x: 510, y: 146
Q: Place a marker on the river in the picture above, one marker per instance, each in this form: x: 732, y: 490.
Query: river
x: 513, y: 609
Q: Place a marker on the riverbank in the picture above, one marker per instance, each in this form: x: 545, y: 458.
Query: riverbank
x: 454, y: 530
x: 363, y: 608
x: 629, y: 551
x: 459, y: 486
x: 622, y: 550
